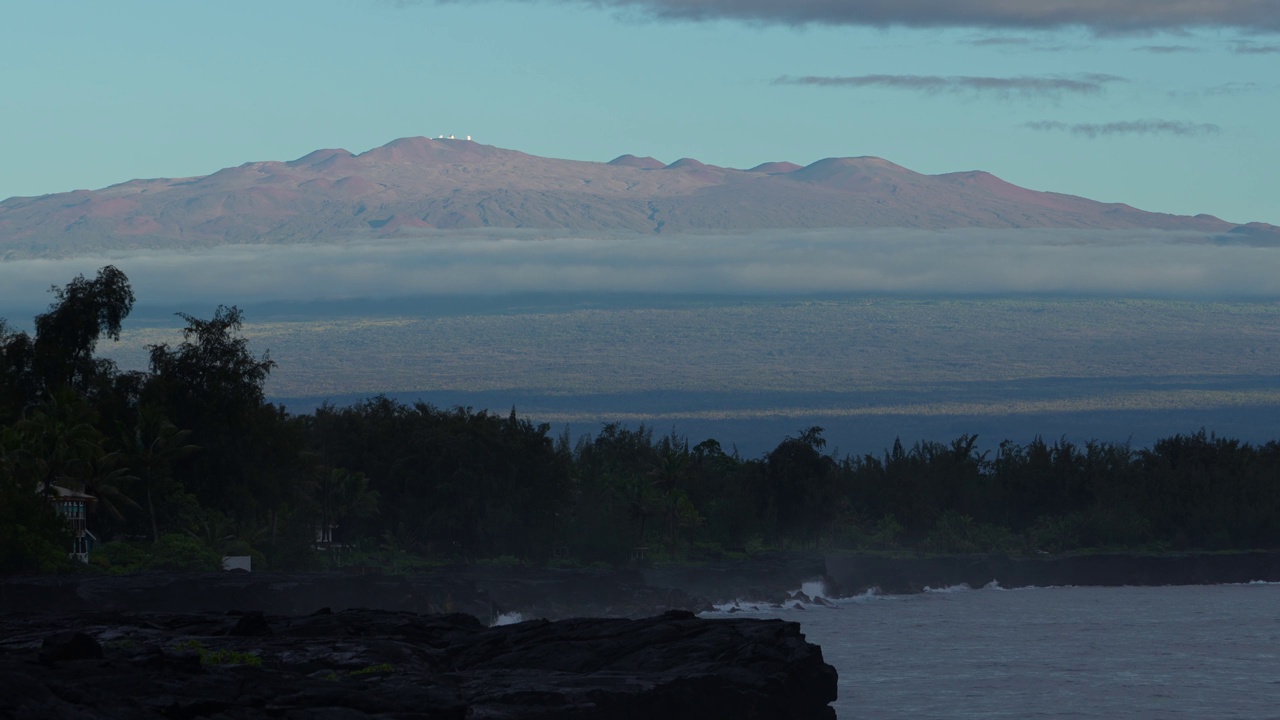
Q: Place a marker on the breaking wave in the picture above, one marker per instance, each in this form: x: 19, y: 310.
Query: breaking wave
x: 948, y: 590
x: 508, y: 618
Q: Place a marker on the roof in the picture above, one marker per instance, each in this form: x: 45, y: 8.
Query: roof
x: 69, y: 494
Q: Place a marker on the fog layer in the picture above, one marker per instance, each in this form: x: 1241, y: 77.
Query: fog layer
x: 982, y: 262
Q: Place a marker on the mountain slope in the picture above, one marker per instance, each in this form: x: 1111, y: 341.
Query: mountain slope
x: 416, y: 184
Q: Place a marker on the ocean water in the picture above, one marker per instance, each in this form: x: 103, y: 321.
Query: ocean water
x: 1133, y: 652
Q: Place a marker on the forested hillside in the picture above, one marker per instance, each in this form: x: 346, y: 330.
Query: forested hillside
x: 189, y: 463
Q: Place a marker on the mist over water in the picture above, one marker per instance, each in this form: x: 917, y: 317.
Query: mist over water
x: 982, y: 262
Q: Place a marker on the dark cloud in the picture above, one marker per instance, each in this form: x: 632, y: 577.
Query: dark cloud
x: 1167, y: 49
x: 1131, y: 127
x: 1100, y: 16
x: 988, y: 262
x: 1021, y: 86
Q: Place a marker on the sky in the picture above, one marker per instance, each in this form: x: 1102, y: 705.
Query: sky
x: 1166, y: 105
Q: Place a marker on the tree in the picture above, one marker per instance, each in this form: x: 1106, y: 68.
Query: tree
x: 212, y: 368
x: 33, y: 538
x: 58, y: 444
x: 151, y: 447
x: 339, y: 497
x: 801, y: 485
x: 668, y: 472
x: 67, y: 335
x: 212, y: 385
x: 15, y: 357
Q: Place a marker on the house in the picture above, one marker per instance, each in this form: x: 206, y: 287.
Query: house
x: 74, y: 506
x: 324, y: 537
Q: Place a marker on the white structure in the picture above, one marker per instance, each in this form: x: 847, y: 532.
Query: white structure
x: 238, y: 562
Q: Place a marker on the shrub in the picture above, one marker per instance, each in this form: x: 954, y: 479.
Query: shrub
x: 182, y: 553
x: 121, y: 557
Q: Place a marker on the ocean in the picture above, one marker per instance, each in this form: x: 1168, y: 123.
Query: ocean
x: 1071, y: 652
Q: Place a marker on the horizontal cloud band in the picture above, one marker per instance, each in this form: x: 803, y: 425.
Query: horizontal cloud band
x: 1024, y: 85
x: 1130, y: 127
x: 1102, y: 16
x: 983, y: 262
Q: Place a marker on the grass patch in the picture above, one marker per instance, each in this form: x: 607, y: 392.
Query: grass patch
x: 219, y: 657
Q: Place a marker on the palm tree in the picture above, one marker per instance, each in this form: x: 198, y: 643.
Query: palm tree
x: 104, y: 482
x: 339, y: 494
x: 638, y: 505
x: 667, y: 473
x: 151, y: 447
x: 58, y: 444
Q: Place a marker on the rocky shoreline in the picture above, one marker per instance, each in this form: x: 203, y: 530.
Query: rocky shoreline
x: 371, y: 663
x: 490, y: 592
x: 485, y: 593
x: 251, y: 645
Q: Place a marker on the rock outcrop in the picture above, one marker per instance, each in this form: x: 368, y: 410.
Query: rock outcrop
x: 275, y: 593
x: 366, y: 663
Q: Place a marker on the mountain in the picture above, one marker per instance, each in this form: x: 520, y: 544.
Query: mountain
x: 416, y: 184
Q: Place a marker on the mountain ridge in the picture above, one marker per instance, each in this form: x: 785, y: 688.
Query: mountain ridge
x: 418, y: 184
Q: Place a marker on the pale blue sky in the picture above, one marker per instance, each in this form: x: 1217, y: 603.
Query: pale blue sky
x: 93, y: 93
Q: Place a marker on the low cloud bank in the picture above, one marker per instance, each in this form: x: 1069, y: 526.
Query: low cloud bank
x: 983, y: 262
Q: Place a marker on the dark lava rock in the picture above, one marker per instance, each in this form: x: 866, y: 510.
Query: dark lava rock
x: 69, y: 645
x: 365, y: 663
x: 278, y: 593
x: 252, y: 624
x: 483, y: 592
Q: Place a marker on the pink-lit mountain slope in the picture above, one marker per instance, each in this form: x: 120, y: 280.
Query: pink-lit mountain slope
x: 414, y: 184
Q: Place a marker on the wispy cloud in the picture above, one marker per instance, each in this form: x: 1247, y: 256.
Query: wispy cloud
x: 1100, y: 16
x: 1252, y: 48
x: 987, y: 262
x: 1020, y: 86
x: 1167, y: 49
x: 1224, y: 90
x: 1130, y: 127
x: 1000, y: 40
x: 1232, y: 88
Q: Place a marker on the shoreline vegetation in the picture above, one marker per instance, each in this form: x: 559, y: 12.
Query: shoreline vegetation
x: 186, y: 463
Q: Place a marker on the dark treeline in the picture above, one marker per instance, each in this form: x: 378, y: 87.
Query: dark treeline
x: 189, y: 463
